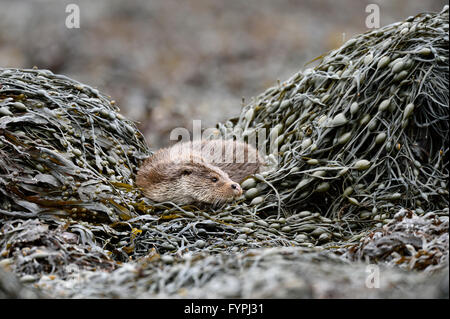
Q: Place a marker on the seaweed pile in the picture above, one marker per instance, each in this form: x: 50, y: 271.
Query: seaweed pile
x: 366, y: 131
x: 360, y: 175
x: 67, y: 136
x: 66, y: 156
x: 409, y: 241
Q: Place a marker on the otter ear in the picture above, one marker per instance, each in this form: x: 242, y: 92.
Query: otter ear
x: 186, y: 171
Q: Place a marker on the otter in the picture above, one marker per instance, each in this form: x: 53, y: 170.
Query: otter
x: 205, y: 172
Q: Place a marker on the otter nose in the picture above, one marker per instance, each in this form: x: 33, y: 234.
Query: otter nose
x: 236, y: 188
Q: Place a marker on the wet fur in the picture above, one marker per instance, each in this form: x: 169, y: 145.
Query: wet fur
x: 183, y: 173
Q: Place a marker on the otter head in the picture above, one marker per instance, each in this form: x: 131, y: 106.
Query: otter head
x: 202, y: 182
x: 186, y: 182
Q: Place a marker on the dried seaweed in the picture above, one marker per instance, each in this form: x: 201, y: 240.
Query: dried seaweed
x: 410, y: 241
x: 63, y: 145
x: 364, y: 133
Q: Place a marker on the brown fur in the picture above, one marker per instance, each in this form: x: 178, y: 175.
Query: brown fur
x: 184, y: 172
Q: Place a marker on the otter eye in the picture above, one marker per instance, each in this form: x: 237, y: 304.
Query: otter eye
x: 186, y: 172
x: 214, y: 179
